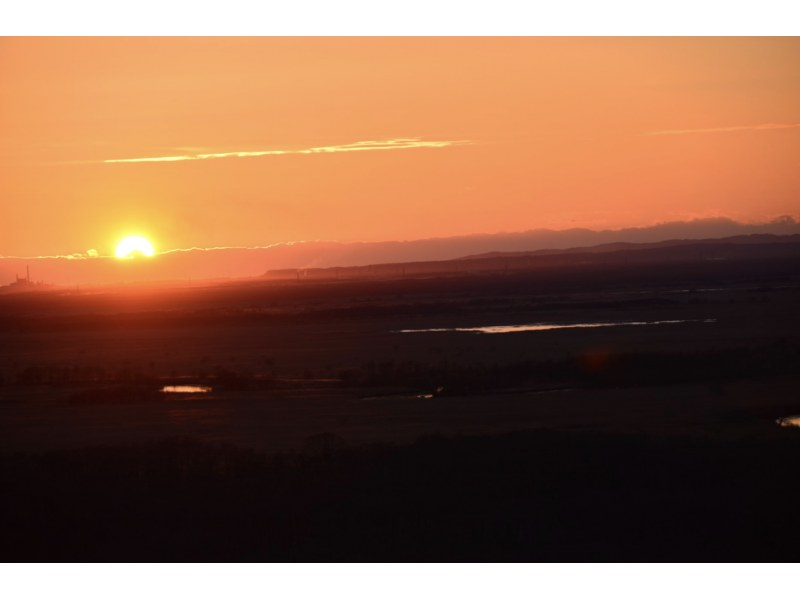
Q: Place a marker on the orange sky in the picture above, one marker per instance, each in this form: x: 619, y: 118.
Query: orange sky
x: 507, y: 134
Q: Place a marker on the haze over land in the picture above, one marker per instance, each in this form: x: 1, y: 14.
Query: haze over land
x: 194, y: 265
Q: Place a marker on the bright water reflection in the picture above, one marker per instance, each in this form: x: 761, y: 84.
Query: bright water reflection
x: 404, y: 397
x: 186, y: 388
x: 544, y: 326
x: 793, y: 421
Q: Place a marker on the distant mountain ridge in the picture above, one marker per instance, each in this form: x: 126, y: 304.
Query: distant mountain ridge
x: 755, y: 239
x: 197, y: 264
x: 321, y: 254
x: 740, y: 248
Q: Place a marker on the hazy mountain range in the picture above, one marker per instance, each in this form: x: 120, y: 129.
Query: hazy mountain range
x: 198, y: 264
x: 323, y: 255
x: 734, y: 251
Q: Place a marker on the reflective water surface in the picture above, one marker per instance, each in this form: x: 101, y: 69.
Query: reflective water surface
x: 545, y: 326
x: 402, y: 397
x: 186, y: 389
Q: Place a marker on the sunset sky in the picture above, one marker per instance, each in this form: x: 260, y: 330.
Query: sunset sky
x: 252, y: 141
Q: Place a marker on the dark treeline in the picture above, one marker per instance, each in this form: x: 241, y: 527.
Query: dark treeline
x: 525, y: 496
x: 135, y: 376
x: 600, y: 369
x: 595, y: 369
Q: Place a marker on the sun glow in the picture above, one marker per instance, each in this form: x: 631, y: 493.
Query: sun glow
x: 134, y: 246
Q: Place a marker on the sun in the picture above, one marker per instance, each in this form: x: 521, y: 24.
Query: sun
x: 134, y: 246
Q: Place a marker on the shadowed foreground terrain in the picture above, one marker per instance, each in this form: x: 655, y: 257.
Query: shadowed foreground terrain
x: 351, y: 420
x: 526, y: 496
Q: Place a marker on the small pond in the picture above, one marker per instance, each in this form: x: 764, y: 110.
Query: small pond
x: 545, y: 326
x: 186, y: 389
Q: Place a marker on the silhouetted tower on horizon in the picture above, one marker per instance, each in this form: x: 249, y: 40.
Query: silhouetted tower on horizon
x: 27, y: 278
x: 23, y: 283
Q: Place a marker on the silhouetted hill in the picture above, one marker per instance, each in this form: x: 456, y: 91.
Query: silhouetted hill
x: 740, y: 248
x: 329, y: 254
x: 756, y: 239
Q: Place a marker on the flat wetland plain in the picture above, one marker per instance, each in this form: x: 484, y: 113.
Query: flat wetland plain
x: 320, y: 373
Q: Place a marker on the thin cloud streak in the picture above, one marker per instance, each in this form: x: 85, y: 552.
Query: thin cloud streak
x: 764, y: 127
x: 224, y: 247
x: 92, y: 254
x: 71, y: 256
x: 359, y: 146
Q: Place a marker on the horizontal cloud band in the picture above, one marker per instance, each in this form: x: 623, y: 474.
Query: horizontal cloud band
x: 764, y: 127
x: 359, y: 146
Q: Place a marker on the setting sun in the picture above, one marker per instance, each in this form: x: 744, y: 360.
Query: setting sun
x: 134, y: 246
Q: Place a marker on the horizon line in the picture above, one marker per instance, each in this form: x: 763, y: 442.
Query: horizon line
x: 94, y: 255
